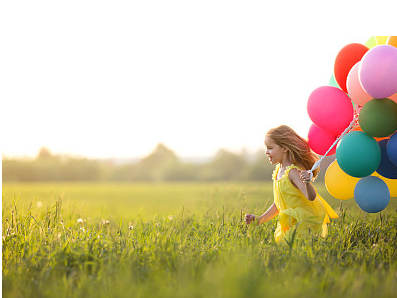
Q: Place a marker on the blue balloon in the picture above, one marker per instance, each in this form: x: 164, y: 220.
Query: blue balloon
x: 372, y: 194
x: 392, y: 148
x: 386, y: 168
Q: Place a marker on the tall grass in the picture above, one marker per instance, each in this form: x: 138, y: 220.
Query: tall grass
x: 194, y: 249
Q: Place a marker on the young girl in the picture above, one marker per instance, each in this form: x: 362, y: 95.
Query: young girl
x: 296, y: 201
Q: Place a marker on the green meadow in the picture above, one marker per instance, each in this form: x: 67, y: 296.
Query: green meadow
x: 184, y: 240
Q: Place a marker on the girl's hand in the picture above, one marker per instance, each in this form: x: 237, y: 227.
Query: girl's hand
x: 249, y: 218
x: 305, y: 176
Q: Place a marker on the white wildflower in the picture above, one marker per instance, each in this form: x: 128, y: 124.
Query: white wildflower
x: 80, y: 220
x: 130, y: 227
x: 39, y: 204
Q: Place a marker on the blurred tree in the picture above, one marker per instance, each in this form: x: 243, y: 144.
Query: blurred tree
x: 81, y: 169
x: 156, y: 164
x: 224, y: 166
x: 160, y: 165
x: 182, y: 172
x: 44, y: 154
x: 260, y: 169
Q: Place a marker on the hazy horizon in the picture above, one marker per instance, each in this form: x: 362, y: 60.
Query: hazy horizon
x: 244, y: 151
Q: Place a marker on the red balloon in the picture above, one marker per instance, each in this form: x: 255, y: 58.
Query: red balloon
x: 321, y: 140
x: 347, y: 57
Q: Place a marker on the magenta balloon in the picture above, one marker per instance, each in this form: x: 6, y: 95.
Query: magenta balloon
x: 378, y: 71
x: 354, y: 88
x: 331, y: 109
x: 320, y: 140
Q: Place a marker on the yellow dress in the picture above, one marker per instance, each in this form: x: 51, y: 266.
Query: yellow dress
x: 296, y: 211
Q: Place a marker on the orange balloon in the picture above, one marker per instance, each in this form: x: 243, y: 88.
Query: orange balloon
x: 392, y: 40
x: 393, y: 97
x: 357, y: 127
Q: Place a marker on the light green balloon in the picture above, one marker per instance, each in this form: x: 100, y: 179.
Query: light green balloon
x: 371, y: 42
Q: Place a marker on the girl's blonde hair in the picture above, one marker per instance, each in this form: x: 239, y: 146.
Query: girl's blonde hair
x: 298, y: 148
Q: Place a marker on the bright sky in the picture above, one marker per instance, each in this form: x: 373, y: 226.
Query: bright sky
x: 115, y: 78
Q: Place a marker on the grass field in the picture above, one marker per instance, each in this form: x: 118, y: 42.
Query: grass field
x: 184, y: 240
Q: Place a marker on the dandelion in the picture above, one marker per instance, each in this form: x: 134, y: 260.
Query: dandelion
x: 39, y: 204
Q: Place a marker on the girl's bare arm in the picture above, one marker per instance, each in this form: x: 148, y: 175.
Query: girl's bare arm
x: 301, y: 180
x: 268, y: 215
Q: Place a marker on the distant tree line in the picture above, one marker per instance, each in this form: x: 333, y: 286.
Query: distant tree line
x: 160, y: 165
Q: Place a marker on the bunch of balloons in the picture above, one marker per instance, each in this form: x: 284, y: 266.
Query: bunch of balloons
x: 361, y: 96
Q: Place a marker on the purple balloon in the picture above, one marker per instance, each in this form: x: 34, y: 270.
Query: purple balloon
x: 378, y: 71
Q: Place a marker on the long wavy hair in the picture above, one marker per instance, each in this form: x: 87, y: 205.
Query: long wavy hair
x: 298, y: 148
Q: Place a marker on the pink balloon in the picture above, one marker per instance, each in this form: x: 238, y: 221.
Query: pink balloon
x: 331, y: 109
x: 320, y: 140
x: 378, y: 71
x: 354, y: 88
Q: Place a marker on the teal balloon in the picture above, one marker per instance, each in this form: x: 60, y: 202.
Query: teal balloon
x: 372, y: 194
x: 358, y: 154
x: 378, y: 117
x: 332, y: 82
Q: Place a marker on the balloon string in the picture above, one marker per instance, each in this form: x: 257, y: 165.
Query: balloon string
x: 317, y: 163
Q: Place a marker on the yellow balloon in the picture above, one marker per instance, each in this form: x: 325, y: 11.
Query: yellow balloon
x: 339, y: 184
x: 391, y: 183
x: 381, y: 39
x: 392, y: 40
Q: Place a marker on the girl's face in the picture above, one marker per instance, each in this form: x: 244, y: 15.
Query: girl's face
x: 274, y: 152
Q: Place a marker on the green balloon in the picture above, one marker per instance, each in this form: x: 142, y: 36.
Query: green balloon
x: 358, y: 154
x: 378, y: 117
